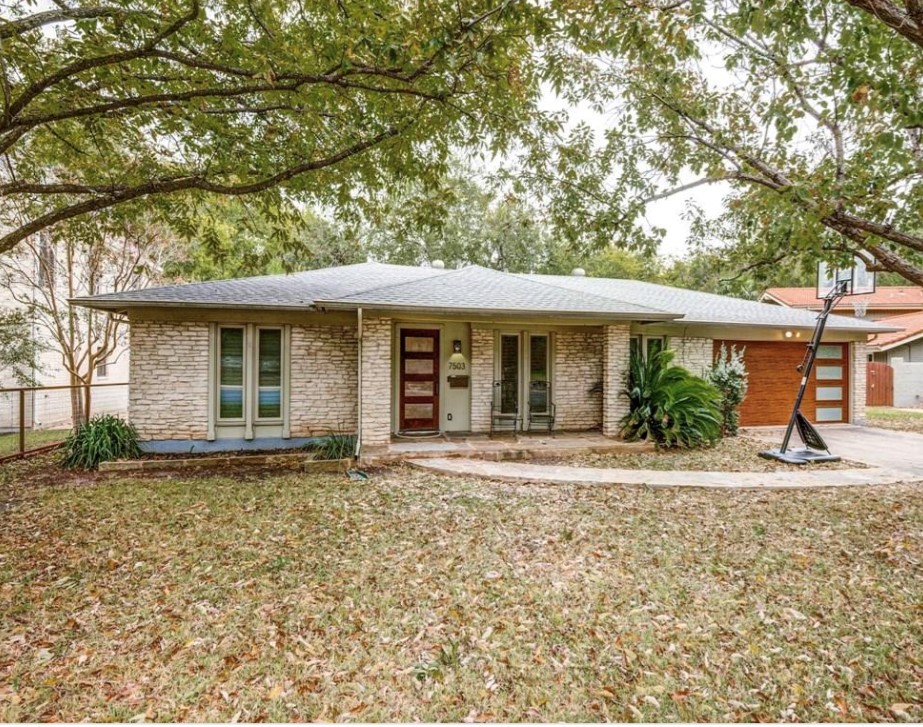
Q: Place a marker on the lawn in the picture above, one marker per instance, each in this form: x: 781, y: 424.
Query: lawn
x: 901, y: 419
x: 410, y: 596
x: 9, y: 442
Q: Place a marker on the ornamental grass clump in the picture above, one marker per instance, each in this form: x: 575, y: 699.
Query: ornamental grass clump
x: 668, y: 405
x: 102, y: 439
x: 729, y: 375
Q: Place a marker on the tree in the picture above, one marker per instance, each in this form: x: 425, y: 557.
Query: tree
x: 228, y: 237
x: 460, y: 220
x: 81, y: 258
x: 19, y: 348
x: 804, y: 111
x: 121, y: 107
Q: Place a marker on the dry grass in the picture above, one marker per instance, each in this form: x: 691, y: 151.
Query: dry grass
x: 734, y: 454
x: 899, y: 419
x: 417, y: 597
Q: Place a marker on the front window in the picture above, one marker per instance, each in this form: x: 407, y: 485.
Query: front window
x: 269, y: 384
x: 249, y: 372
x: 231, y: 374
x: 647, y: 345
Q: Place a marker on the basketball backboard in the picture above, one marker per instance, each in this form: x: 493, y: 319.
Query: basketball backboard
x: 854, y: 280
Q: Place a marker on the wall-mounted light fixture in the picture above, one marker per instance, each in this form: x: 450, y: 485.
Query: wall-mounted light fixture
x: 456, y: 346
x: 789, y: 334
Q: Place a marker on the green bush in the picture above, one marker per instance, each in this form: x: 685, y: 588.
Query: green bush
x: 335, y: 446
x: 102, y: 439
x: 728, y: 374
x: 668, y: 405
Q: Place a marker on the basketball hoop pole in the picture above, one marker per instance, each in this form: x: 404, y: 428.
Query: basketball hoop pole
x: 804, y: 456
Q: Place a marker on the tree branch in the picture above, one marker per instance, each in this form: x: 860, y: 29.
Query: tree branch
x: 120, y: 195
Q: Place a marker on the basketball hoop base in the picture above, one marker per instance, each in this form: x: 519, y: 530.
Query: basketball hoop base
x: 799, y: 456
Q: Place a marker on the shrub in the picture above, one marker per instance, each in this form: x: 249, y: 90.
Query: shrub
x: 668, y: 405
x: 728, y: 374
x: 101, y: 439
x: 335, y: 445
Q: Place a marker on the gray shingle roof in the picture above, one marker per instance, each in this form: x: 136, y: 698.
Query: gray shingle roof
x: 471, y: 290
x: 481, y: 290
x: 298, y: 291
x: 703, y: 307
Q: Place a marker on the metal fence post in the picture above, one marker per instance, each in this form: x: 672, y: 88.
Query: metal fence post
x: 22, y: 421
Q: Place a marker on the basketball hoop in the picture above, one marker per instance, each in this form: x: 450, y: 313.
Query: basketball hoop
x: 833, y: 284
x: 854, y: 280
x: 860, y: 308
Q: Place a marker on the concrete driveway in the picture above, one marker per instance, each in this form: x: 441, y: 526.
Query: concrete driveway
x: 877, y: 447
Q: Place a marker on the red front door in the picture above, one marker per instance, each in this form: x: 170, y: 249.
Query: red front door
x: 419, y: 399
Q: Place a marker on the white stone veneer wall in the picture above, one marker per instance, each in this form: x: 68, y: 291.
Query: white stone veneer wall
x: 324, y: 376
x: 615, y: 368
x: 696, y: 355
x: 578, y: 368
x: 168, y: 380
x: 859, y: 352
x: 376, y: 381
x: 482, y: 378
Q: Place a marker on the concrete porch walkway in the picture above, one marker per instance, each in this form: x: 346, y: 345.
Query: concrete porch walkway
x: 802, y: 478
x: 519, y: 446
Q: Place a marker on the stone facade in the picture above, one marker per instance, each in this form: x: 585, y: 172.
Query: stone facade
x: 376, y: 381
x: 324, y: 366
x: 578, y: 379
x: 693, y: 354
x: 616, y: 348
x: 168, y: 380
x: 859, y: 352
x: 482, y: 378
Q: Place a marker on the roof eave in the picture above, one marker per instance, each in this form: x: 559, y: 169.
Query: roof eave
x: 118, y: 306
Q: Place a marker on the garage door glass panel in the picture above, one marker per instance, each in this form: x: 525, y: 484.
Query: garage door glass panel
x: 829, y: 393
x: 829, y: 373
x: 829, y: 413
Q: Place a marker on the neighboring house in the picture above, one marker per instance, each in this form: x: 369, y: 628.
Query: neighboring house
x: 903, y: 351
x: 51, y: 408
x: 905, y: 343
x: 885, y: 302
x: 385, y: 350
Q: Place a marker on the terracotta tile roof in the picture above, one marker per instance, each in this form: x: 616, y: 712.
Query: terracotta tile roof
x: 912, y: 325
x: 889, y: 296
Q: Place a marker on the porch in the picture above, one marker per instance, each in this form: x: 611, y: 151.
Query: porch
x: 506, y: 447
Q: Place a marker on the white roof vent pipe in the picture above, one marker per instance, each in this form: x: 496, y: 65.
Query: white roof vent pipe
x: 578, y: 273
x: 438, y: 264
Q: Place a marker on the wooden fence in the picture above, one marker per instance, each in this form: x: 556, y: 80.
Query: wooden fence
x: 880, y: 385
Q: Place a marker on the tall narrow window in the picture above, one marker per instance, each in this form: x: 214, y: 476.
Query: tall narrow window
x: 231, y: 374
x: 269, y: 378
x: 509, y: 373
x: 538, y: 374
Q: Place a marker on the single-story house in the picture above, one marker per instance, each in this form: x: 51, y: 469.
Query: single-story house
x: 885, y: 302
x: 904, y: 343
x: 387, y: 350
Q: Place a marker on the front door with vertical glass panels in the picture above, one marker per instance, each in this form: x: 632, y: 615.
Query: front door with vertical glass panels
x: 419, y: 379
x: 831, y: 376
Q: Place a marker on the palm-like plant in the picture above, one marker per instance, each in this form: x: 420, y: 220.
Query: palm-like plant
x: 668, y: 405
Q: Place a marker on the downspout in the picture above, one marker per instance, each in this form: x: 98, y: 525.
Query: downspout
x: 359, y: 387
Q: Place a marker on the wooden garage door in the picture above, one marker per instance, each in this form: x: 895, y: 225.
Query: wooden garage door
x: 774, y: 382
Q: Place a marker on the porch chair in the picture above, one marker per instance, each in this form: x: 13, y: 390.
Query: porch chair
x: 541, y: 406
x: 504, y: 408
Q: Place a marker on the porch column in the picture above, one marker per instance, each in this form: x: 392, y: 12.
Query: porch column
x: 859, y: 370
x: 616, y: 350
x: 376, y: 381
x: 482, y: 378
